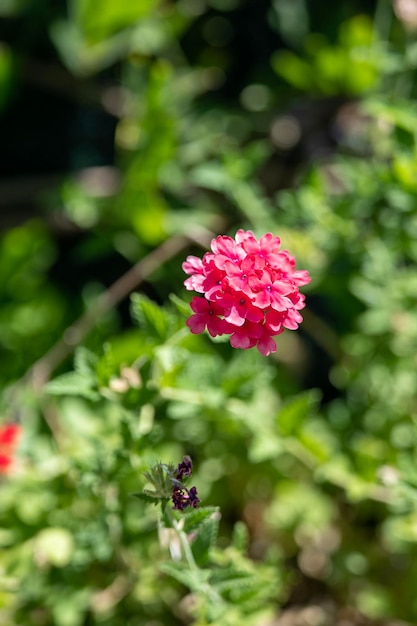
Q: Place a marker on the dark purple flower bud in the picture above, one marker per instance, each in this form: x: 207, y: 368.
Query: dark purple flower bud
x: 194, y: 500
x: 184, y: 469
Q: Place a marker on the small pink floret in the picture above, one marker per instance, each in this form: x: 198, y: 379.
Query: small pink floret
x: 193, y: 265
x: 250, y: 290
x: 206, y: 315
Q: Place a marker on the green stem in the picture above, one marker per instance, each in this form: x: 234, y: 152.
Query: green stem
x: 204, y: 587
x: 186, y: 548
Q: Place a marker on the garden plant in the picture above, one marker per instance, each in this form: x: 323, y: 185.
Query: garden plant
x: 208, y: 284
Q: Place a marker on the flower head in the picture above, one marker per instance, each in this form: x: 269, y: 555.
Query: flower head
x: 250, y: 290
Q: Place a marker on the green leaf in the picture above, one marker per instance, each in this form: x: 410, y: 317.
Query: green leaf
x: 73, y: 384
x: 111, y: 17
x: 401, y: 113
x: 211, y: 176
x: 69, y: 607
x: 149, y: 316
x: 193, y: 518
x: 240, y: 538
x: 182, y: 306
x: 293, y: 69
x: 7, y: 76
x: 106, y: 366
x: 191, y: 579
x: 151, y: 497
x: 292, y: 415
x: 160, y: 476
x: 205, y: 539
x: 85, y: 361
x: 235, y: 582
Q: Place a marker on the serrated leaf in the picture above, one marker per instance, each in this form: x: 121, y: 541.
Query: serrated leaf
x: 160, y: 476
x: 182, y: 306
x: 193, y: 518
x: 151, y: 318
x: 236, y: 581
x: 105, y: 366
x: 205, y: 539
x: 293, y: 413
x: 244, y: 587
x: 73, y: 384
x: 240, y: 537
x: 237, y: 585
x: 85, y: 361
x: 191, y: 579
x: 147, y: 496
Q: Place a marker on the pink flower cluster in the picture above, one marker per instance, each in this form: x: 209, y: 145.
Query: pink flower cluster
x: 250, y: 290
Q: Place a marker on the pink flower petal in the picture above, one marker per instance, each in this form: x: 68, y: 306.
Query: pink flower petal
x: 266, y: 345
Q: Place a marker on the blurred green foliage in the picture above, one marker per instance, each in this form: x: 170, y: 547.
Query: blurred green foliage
x: 309, y: 456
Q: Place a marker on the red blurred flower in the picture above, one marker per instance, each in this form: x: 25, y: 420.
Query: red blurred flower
x: 9, y: 435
